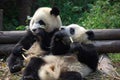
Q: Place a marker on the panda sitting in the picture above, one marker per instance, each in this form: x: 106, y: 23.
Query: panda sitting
x: 44, y: 23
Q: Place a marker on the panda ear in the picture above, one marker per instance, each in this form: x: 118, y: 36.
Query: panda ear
x: 90, y: 34
x: 55, y: 11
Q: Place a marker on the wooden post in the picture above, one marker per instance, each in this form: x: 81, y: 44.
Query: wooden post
x: 1, y: 19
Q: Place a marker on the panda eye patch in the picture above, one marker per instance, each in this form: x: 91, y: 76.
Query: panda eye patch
x: 72, y: 31
x: 41, y: 22
x: 62, y: 28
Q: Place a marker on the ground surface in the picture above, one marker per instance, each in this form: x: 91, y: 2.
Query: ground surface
x: 5, y: 75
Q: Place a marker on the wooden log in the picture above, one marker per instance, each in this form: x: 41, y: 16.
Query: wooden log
x: 108, y: 46
x: 1, y: 19
x: 11, y: 36
x: 100, y: 34
x: 5, y: 49
x: 101, y: 47
x: 107, y: 34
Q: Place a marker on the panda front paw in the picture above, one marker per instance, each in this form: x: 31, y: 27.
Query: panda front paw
x: 16, y: 68
x: 15, y: 63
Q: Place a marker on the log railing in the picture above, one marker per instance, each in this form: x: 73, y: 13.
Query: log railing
x: 106, y: 40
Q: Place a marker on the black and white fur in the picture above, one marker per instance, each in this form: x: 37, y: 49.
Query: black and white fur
x: 49, y: 67
x: 83, y: 46
x: 44, y: 23
x: 80, y: 46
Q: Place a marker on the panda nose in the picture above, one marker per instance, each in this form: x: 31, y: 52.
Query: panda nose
x: 28, y: 78
x: 36, y: 30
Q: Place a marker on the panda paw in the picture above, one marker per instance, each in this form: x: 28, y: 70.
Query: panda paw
x: 16, y: 68
x: 15, y: 63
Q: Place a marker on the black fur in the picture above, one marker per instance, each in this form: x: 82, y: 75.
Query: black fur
x: 90, y: 34
x: 60, y: 43
x: 31, y: 71
x: 15, y: 60
x: 86, y: 54
x: 55, y: 11
x: 15, y: 63
x: 45, y: 39
x: 70, y: 75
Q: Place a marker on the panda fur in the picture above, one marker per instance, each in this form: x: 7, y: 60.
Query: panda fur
x: 49, y: 67
x: 82, y: 48
x: 44, y: 23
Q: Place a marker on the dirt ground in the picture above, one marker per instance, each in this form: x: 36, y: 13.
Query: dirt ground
x: 5, y: 75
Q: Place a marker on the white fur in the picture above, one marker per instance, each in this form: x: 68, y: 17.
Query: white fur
x: 52, y: 69
x: 61, y: 64
x: 51, y: 21
x: 80, y: 33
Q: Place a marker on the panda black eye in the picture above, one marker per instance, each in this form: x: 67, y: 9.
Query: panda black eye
x: 72, y: 31
x: 41, y: 22
x: 62, y: 28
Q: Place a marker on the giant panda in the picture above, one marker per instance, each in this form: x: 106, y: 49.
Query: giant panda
x: 49, y: 67
x: 75, y: 40
x: 44, y: 23
x: 82, y: 43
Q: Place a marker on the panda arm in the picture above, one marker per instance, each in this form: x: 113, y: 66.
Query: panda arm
x: 15, y: 60
x: 25, y: 43
x: 86, y: 54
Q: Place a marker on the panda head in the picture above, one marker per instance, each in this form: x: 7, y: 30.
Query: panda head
x: 78, y: 33
x: 45, y: 18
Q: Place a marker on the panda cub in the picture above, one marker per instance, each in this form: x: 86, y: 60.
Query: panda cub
x: 44, y: 23
x: 49, y: 67
x: 76, y: 40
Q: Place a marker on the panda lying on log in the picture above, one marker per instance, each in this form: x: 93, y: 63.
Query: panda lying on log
x: 80, y: 45
x: 80, y: 41
x: 44, y: 23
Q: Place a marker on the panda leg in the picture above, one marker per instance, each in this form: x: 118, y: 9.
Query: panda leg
x: 71, y: 75
x: 15, y: 60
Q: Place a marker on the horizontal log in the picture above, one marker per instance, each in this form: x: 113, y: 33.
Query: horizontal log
x: 108, y: 46
x: 107, y: 34
x: 5, y: 49
x: 11, y: 36
x: 101, y: 47
x: 100, y: 34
